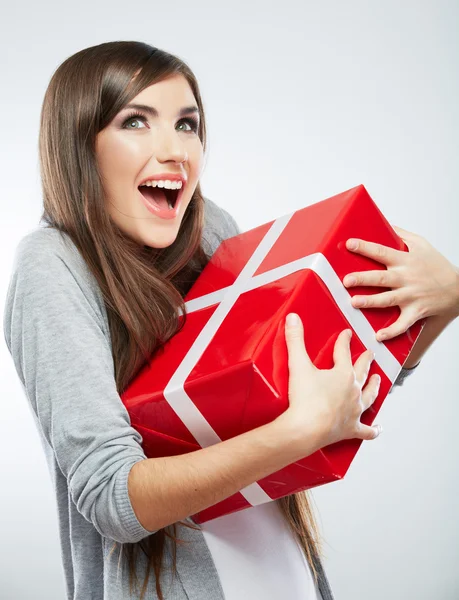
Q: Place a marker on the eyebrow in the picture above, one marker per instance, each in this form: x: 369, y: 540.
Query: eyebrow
x: 151, y: 110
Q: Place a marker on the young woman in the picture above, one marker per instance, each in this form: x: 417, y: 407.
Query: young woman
x: 96, y: 291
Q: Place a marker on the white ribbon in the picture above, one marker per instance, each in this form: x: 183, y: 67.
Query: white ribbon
x: 174, y: 391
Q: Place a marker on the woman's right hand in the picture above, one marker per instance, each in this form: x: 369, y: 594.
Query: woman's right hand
x: 327, y: 403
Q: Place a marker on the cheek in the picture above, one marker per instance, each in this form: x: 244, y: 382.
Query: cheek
x: 124, y: 158
x: 119, y: 158
x: 196, y: 157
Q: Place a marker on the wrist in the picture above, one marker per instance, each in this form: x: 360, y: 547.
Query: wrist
x: 455, y: 308
x: 297, y: 441
x: 457, y: 295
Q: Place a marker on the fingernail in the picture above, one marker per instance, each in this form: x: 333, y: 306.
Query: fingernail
x: 352, y: 244
x: 292, y: 320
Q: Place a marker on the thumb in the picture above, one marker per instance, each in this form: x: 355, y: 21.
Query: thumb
x: 294, y: 335
x: 369, y: 433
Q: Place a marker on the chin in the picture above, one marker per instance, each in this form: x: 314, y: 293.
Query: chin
x: 158, y: 242
x: 150, y: 236
x: 157, y: 245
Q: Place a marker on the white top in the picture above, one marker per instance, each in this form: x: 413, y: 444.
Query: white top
x: 257, y: 556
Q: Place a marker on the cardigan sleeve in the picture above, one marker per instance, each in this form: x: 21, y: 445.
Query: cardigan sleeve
x: 404, y: 373
x: 56, y: 336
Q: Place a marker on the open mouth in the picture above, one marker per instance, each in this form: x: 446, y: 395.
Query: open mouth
x: 162, y: 197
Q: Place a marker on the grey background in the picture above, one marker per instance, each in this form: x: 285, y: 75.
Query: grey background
x: 303, y: 100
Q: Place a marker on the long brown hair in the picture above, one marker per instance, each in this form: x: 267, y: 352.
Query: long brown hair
x: 142, y: 287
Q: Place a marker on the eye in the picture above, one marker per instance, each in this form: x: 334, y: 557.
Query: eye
x: 134, y: 117
x: 193, y: 123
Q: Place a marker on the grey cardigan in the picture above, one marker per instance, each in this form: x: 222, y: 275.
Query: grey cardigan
x: 57, y: 332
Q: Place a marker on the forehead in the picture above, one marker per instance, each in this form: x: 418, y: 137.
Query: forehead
x: 167, y: 94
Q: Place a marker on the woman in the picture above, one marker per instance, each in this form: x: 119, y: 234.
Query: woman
x: 95, y: 293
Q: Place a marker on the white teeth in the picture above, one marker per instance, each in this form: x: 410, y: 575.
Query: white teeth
x: 165, y: 183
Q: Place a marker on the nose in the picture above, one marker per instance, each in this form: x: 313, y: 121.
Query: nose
x: 169, y: 146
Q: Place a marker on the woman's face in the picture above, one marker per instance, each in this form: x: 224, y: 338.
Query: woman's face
x: 131, y: 150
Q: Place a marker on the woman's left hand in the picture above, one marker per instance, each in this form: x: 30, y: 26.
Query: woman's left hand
x: 424, y: 283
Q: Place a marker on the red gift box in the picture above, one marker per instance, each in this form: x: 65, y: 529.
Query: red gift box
x: 226, y: 371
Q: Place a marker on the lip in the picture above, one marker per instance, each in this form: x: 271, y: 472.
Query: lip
x: 163, y: 213
x: 170, y: 176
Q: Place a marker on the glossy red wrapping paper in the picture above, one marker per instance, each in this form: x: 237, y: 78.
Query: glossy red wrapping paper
x: 226, y: 371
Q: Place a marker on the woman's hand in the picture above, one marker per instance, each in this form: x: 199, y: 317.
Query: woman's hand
x: 424, y: 283
x: 325, y: 405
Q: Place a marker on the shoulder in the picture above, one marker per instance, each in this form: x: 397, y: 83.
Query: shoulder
x: 219, y: 218
x: 51, y: 253
x: 50, y: 276
x: 39, y: 261
x: 44, y: 244
x: 219, y: 225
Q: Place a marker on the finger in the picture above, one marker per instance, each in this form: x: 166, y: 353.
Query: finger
x: 298, y: 356
x: 382, y: 278
x: 371, y: 391
x: 383, y: 254
x: 362, y: 366
x: 401, y: 325
x: 381, y: 300
x: 342, y: 349
x: 366, y: 432
x: 403, y: 232
x: 411, y: 239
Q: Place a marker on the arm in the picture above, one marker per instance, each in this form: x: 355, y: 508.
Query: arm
x: 434, y: 326
x: 179, y: 486
x: 58, y: 340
